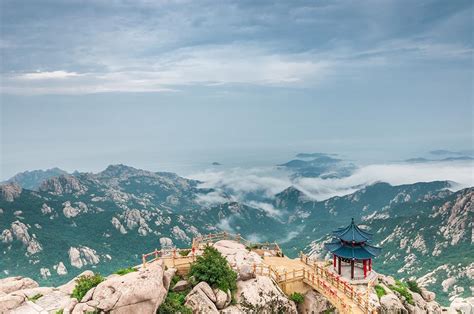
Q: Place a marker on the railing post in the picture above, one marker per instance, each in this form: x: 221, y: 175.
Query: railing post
x: 144, y: 260
x: 156, y: 254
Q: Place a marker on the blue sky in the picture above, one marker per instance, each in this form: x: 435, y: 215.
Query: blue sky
x: 155, y: 83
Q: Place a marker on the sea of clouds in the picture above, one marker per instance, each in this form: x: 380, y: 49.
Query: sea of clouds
x: 255, y: 186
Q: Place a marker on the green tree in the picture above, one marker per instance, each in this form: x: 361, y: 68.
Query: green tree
x: 213, y: 268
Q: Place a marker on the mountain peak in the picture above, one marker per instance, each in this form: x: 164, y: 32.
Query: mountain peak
x: 31, y: 180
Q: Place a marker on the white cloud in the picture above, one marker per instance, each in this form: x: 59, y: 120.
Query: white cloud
x: 204, y: 65
x: 47, y: 75
x: 265, y: 182
x: 212, y: 198
x: 266, y: 207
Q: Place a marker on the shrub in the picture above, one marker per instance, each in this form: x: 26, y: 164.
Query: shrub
x: 296, y: 297
x: 174, y: 303
x: 124, y: 271
x: 213, y: 268
x: 380, y: 291
x: 61, y: 311
x: 184, y: 252
x: 413, y: 286
x: 35, y: 297
x: 401, y: 288
x: 84, y: 284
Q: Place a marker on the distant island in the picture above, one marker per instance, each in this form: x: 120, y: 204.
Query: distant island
x: 215, y: 163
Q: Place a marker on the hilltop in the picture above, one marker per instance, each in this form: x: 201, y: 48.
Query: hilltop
x: 221, y: 278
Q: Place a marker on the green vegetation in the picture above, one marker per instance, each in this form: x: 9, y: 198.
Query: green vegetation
x: 413, y: 286
x: 60, y: 311
x: 380, y: 291
x: 174, y: 303
x: 296, y: 297
x: 213, y: 268
x: 123, y: 271
x: 35, y: 297
x: 84, y: 284
x: 184, y: 252
x: 402, y: 289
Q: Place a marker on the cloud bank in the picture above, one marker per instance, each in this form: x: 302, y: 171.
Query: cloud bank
x: 247, y: 184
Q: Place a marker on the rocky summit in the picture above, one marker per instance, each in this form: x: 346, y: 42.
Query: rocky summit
x: 149, y: 288
x: 103, y: 221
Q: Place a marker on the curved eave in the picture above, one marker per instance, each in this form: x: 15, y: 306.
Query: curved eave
x: 352, y: 233
x: 350, y: 252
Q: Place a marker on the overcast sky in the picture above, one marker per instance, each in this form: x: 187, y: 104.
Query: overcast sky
x: 164, y: 84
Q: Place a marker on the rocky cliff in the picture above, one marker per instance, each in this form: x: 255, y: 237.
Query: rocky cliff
x: 145, y: 290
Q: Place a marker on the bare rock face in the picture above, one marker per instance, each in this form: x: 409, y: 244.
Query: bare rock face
x: 181, y: 285
x: 6, y: 236
x: 45, y: 209
x: 20, y: 231
x: 201, y: 299
x: 64, y: 184
x: 390, y: 303
x: 118, y: 225
x: 82, y: 256
x: 427, y: 295
x: 9, y: 302
x: 314, y: 302
x: 236, y: 254
x: 261, y: 295
x: 61, y: 269
x: 465, y: 306
x: 137, y: 292
x: 10, y: 191
x: 12, y: 284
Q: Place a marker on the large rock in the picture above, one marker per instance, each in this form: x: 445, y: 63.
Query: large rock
x: 181, y: 285
x: 427, y: 295
x: 261, y: 295
x: 10, y: 191
x: 236, y: 254
x: 390, y: 303
x: 199, y: 302
x: 82, y: 256
x: 12, y: 284
x: 222, y: 299
x: 465, y: 306
x: 9, y: 302
x: 136, y: 292
x: 168, y: 276
x: 206, y: 289
x: 246, y: 272
x: 314, y: 302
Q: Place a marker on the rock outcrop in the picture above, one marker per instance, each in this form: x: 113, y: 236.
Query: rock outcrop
x: 64, y: 184
x: 237, y: 255
x: 260, y: 295
x: 136, y: 292
x: 10, y: 191
x: 82, y: 256
x: 314, y: 302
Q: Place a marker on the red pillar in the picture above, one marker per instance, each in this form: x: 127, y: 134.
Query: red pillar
x: 334, y: 262
x: 365, y: 268
x: 370, y: 264
x: 339, y: 265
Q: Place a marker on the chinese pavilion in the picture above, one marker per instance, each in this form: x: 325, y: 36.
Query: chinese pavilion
x: 351, y: 246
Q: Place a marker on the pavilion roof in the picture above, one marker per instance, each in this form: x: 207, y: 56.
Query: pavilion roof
x: 352, y: 233
x: 345, y: 250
